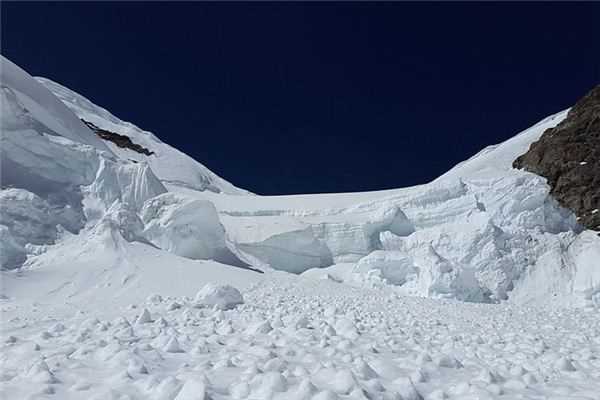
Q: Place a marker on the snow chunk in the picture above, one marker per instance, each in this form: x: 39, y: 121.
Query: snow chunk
x: 222, y: 297
x: 173, y: 346
x: 186, y: 227
x: 394, y: 266
x: 144, y: 317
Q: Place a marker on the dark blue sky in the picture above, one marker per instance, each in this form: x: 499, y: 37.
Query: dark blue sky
x: 300, y: 98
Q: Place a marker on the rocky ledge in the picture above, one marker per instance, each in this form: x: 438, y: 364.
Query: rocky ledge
x: 568, y: 156
x: 120, y: 140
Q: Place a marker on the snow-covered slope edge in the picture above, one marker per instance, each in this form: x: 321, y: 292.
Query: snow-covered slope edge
x: 170, y: 165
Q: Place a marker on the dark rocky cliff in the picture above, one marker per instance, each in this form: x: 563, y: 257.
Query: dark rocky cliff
x: 568, y: 156
x: 120, y: 140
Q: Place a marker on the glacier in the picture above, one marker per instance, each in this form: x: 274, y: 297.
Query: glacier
x: 128, y: 275
x: 481, y: 232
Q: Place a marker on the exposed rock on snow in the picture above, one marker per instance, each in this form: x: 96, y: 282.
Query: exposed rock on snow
x: 120, y: 140
x: 568, y: 155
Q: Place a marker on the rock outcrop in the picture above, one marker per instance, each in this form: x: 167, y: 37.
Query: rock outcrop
x: 120, y: 140
x: 568, y: 156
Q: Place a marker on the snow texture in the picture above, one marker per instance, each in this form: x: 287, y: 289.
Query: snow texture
x: 303, y: 339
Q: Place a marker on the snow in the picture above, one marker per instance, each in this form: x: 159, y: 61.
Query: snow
x: 169, y: 164
x: 128, y: 276
x: 464, y: 236
x: 401, y: 347
x: 187, y: 227
x: 28, y: 104
x: 222, y: 297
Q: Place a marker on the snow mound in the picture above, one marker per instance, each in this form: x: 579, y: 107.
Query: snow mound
x: 221, y: 297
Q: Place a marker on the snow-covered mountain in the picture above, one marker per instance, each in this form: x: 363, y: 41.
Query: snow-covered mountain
x: 106, y: 234
x: 481, y: 232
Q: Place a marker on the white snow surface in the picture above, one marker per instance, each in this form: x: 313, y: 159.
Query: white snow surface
x: 220, y: 297
x: 127, y: 276
x: 169, y: 164
x: 30, y: 104
x: 302, y: 339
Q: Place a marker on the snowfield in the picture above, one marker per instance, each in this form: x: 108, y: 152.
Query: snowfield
x: 299, y: 338
x: 134, y: 276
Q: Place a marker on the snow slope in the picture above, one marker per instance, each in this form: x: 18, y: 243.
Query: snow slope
x: 169, y: 164
x: 25, y: 98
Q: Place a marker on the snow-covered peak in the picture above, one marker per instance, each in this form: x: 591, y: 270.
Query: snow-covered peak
x: 173, y: 167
